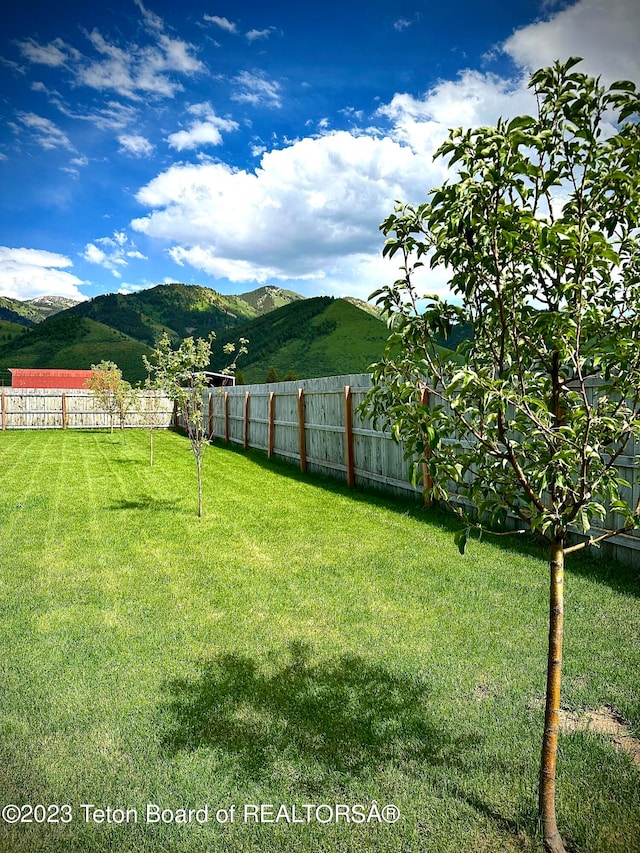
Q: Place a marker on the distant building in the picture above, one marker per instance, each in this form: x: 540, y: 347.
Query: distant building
x: 219, y: 380
x: 23, y: 377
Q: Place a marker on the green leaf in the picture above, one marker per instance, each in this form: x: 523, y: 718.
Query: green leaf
x: 460, y: 538
x: 519, y: 122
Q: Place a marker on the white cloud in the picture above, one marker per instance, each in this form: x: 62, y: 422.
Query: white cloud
x: 223, y: 23
x: 257, y: 90
x: 136, y: 71
x: 27, y: 273
x: 54, y: 54
x: 153, y: 21
x: 112, y: 116
x: 474, y: 99
x: 127, y: 287
x: 133, y: 71
x: 199, y: 133
x: 112, y: 252
x: 93, y: 254
x: 46, y: 133
x: 205, y: 132
x: 138, y: 146
x: 75, y: 164
x: 303, y: 211
x: 254, y: 35
x: 606, y: 33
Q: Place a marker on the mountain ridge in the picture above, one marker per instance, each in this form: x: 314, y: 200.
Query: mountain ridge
x: 291, y: 333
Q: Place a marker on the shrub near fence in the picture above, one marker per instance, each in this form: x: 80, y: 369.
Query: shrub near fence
x: 45, y: 408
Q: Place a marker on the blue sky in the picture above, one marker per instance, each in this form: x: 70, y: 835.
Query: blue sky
x: 241, y: 144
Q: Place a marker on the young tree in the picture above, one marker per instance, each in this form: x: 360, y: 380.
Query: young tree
x: 151, y: 409
x: 111, y: 390
x: 539, y: 232
x: 180, y: 374
x: 124, y: 399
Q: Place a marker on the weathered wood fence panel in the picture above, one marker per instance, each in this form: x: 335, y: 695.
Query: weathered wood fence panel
x: 50, y: 408
x: 315, y: 423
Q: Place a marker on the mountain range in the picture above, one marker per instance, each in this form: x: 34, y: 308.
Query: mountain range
x: 289, y: 335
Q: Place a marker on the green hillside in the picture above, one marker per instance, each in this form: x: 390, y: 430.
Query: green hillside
x: 179, y: 309
x: 14, y: 311
x: 321, y: 336
x: 31, y: 311
x: 66, y: 341
x: 266, y: 299
x: 10, y: 330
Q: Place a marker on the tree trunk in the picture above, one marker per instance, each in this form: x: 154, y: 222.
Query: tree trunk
x: 547, y: 793
x: 199, y: 467
x: 151, y: 447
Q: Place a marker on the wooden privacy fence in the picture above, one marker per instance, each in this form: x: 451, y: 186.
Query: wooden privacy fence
x: 45, y: 408
x: 315, y: 424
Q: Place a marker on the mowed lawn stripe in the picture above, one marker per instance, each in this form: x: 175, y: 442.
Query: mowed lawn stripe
x: 300, y: 643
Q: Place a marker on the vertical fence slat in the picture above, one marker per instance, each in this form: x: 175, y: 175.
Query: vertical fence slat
x: 247, y: 406
x: 64, y: 410
x: 271, y: 429
x: 348, y: 436
x: 210, y: 414
x: 427, y: 481
x: 302, y: 435
x: 4, y: 412
x: 226, y: 416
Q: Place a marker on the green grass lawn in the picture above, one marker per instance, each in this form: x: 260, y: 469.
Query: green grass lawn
x: 300, y: 644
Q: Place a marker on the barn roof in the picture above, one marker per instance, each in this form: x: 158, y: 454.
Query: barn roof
x: 29, y: 377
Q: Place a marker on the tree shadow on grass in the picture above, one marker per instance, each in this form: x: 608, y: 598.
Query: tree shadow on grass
x: 161, y: 504
x: 344, y: 716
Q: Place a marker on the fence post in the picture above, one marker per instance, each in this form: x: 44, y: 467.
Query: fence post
x: 271, y: 430
x: 302, y: 435
x: 64, y: 410
x: 247, y: 400
x: 348, y: 436
x: 4, y: 412
x: 226, y: 416
x: 427, y: 481
x: 210, y: 415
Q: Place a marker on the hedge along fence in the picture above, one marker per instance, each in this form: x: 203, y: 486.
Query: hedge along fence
x: 50, y: 408
x: 315, y: 424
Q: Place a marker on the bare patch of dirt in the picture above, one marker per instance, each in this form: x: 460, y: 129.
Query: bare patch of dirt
x: 603, y: 721
x: 482, y: 692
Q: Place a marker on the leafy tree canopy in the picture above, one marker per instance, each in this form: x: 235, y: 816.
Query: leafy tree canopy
x: 539, y: 230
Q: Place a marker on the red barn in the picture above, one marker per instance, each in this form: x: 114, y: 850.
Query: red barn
x: 23, y: 377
